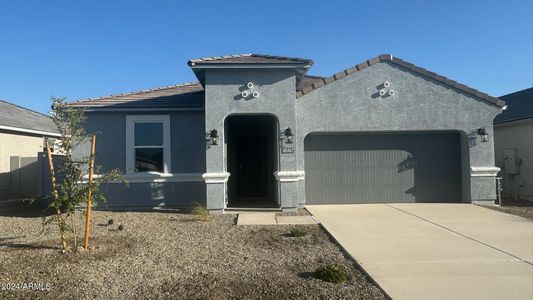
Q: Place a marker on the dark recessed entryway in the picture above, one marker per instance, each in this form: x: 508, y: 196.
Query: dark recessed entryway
x: 251, y: 142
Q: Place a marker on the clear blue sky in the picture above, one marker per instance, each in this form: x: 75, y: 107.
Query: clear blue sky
x: 81, y: 49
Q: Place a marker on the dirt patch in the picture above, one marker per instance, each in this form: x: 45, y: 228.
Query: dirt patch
x: 173, y: 256
x: 520, y: 208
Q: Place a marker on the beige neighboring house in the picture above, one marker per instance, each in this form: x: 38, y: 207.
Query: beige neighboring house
x: 513, y: 142
x: 22, y: 133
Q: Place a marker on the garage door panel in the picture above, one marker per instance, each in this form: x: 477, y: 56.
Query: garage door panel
x: 375, y: 168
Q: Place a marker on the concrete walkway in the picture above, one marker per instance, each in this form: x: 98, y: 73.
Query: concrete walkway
x: 436, y: 251
x: 270, y: 218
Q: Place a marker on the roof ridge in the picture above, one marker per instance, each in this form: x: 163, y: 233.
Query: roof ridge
x: 517, y: 92
x: 210, y: 58
x: 215, y: 58
x: 398, y: 61
x: 138, y: 91
x: 25, y: 108
x: 282, y: 57
x: 314, y: 76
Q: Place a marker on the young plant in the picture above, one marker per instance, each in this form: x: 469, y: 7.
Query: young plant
x: 297, y: 232
x: 72, y: 190
x: 331, y: 274
x: 201, y: 211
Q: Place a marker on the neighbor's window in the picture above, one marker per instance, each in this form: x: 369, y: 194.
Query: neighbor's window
x: 148, y: 144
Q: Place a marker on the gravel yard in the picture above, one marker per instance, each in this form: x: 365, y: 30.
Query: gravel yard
x: 174, y: 256
x: 520, y: 208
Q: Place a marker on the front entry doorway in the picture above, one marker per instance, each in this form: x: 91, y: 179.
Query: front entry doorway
x: 251, y: 143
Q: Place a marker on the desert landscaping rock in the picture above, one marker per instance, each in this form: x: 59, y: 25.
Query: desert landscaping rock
x: 175, y: 256
x: 521, y: 208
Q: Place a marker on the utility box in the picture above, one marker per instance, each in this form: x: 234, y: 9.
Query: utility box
x: 511, y: 161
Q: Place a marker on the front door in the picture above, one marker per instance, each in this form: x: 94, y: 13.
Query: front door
x: 251, y: 172
x: 251, y: 157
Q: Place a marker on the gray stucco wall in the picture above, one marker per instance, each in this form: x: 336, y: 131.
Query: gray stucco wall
x: 353, y: 104
x: 187, y: 159
x: 222, y: 93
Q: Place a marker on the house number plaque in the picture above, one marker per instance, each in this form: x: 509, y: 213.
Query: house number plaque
x: 287, y: 150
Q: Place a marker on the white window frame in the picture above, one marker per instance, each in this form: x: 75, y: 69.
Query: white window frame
x: 131, y: 120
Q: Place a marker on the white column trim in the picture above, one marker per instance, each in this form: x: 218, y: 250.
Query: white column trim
x: 289, y: 176
x: 484, y: 171
x: 216, y: 177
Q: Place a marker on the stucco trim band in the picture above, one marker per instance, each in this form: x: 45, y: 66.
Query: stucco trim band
x: 155, y: 177
x: 216, y: 177
x: 484, y: 171
x: 289, y: 176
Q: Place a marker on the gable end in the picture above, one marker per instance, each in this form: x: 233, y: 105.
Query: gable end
x: 400, y: 62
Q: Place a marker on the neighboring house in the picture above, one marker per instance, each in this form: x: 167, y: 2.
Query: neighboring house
x: 256, y: 131
x: 513, y: 135
x: 22, y: 133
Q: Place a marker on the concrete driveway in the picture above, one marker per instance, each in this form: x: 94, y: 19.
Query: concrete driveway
x: 436, y: 251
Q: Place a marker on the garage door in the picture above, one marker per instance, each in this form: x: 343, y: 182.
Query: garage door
x: 377, y: 168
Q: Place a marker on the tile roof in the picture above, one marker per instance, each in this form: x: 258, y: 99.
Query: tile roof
x: 519, y: 106
x: 308, y: 81
x: 186, y: 95
x: 388, y: 58
x: 191, y: 95
x: 249, y: 59
x: 20, y: 117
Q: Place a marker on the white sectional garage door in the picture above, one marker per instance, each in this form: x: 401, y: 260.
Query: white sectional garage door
x: 381, y: 168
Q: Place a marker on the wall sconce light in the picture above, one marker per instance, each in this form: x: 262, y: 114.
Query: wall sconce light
x: 213, y: 135
x: 483, y: 133
x: 288, y: 135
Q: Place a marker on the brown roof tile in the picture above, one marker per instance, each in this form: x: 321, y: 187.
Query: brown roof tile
x: 191, y: 95
x: 187, y: 95
x: 249, y: 59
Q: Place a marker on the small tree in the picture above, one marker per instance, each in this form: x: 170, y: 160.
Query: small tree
x: 72, y: 190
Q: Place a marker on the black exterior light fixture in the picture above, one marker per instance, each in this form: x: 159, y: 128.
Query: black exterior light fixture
x: 213, y: 135
x: 288, y: 135
x: 483, y: 133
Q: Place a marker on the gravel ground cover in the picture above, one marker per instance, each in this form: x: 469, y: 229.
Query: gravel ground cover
x: 175, y: 256
x: 520, y: 208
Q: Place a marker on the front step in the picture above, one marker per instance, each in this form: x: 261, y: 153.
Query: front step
x: 236, y: 210
x: 270, y: 218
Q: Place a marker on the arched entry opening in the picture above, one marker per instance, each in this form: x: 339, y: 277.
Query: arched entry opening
x: 251, y: 159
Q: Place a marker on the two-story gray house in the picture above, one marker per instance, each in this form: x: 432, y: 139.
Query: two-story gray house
x: 257, y: 132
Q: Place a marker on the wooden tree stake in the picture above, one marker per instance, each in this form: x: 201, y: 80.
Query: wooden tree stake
x: 53, y: 193
x: 89, y: 203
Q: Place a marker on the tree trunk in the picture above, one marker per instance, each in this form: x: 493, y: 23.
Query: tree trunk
x: 53, y: 194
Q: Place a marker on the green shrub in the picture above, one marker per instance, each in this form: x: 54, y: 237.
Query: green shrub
x: 201, y: 211
x: 297, y: 233
x: 331, y: 274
